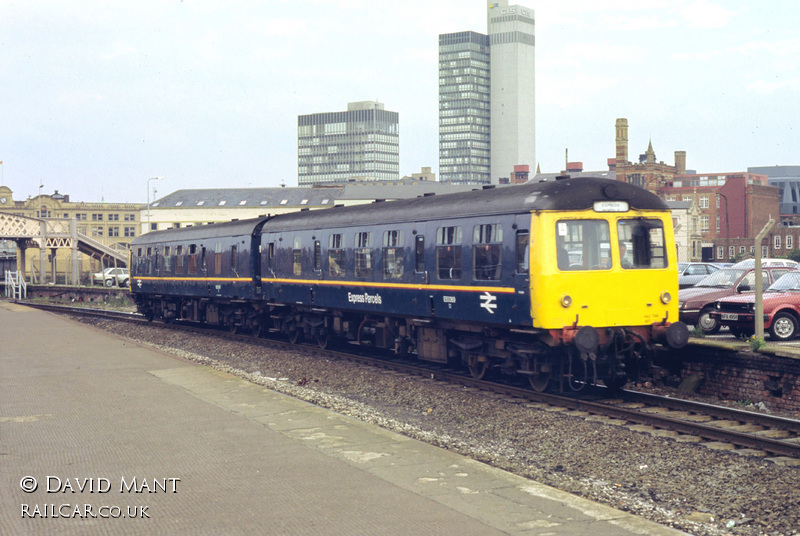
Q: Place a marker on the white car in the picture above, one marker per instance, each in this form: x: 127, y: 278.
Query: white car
x: 112, y: 276
x: 751, y: 263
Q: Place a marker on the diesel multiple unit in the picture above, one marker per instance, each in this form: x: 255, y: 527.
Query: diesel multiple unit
x: 570, y: 280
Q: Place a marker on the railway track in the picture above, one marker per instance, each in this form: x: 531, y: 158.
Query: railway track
x: 721, y: 427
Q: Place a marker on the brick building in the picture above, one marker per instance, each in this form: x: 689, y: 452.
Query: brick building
x: 647, y: 173
x: 732, y: 209
x: 729, y: 209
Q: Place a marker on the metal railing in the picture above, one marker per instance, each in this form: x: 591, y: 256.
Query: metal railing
x: 16, y: 287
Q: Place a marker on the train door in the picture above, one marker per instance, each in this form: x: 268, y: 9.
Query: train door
x: 316, y: 255
x: 522, y: 250
x: 420, y: 265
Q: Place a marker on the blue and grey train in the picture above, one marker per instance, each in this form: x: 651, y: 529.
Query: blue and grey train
x: 572, y: 280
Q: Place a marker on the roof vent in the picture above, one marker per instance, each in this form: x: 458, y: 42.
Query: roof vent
x: 562, y: 177
x: 488, y: 186
x: 429, y: 194
x: 379, y: 201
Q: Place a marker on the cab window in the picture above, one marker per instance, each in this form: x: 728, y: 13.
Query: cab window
x: 583, y: 245
x: 643, y: 242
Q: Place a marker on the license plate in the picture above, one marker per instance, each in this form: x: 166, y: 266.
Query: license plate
x: 729, y: 316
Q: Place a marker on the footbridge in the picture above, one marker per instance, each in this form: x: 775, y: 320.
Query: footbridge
x: 50, y: 235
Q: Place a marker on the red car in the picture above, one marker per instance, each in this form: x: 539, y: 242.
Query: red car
x: 697, y: 303
x: 781, y: 310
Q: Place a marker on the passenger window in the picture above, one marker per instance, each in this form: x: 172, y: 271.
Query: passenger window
x: 583, y: 245
x: 178, y: 259
x: 487, y: 245
x: 522, y: 251
x: 297, y: 256
x: 363, y: 255
x: 448, y: 252
x: 393, y: 254
x: 644, y: 241
x: 167, y: 259
x: 336, y: 255
x: 192, y: 269
x: 218, y: 258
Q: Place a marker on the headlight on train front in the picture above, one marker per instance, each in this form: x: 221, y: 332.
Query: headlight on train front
x: 566, y: 301
x: 666, y: 297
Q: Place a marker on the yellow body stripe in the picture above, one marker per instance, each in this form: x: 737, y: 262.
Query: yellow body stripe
x: 370, y: 284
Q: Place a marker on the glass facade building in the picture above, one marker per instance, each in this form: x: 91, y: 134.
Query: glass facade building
x: 464, y: 141
x: 486, y: 98
x: 362, y: 143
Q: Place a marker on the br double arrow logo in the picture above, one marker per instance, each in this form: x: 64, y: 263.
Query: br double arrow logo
x: 488, y: 302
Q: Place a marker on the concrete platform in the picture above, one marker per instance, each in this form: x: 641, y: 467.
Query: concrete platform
x: 101, y: 436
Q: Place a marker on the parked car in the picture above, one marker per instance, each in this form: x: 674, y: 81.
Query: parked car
x: 751, y: 263
x: 696, y: 303
x: 781, y: 309
x: 112, y: 276
x: 691, y: 273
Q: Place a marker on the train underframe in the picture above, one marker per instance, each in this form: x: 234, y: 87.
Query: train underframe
x: 565, y: 359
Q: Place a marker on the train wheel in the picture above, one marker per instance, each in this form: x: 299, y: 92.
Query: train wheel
x: 255, y: 331
x: 323, y: 339
x: 615, y: 384
x: 478, y: 365
x: 233, y: 328
x: 539, y: 381
x: 294, y: 336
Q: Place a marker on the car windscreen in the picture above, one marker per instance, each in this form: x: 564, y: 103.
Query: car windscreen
x: 724, y: 278
x: 786, y: 282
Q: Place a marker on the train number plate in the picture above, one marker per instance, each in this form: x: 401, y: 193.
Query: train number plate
x: 729, y: 316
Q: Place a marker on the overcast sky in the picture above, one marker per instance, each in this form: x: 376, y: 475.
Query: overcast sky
x: 98, y: 96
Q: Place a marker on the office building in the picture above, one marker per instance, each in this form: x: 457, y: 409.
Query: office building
x: 359, y: 144
x: 486, y: 98
x: 511, y: 43
x: 464, y: 139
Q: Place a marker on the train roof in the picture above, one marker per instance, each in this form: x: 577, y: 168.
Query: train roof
x: 562, y: 194
x: 202, y: 232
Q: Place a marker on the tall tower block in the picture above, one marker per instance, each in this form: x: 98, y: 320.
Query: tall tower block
x: 511, y: 48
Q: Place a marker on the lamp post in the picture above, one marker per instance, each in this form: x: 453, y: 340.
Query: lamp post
x: 727, y: 226
x: 148, y: 199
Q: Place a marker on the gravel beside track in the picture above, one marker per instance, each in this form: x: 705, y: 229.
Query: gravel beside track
x: 688, y: 486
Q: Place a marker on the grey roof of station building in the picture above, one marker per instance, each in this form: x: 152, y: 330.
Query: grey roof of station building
x: 249, y: 197
x: 400, y: 190
x: 305, y: 197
